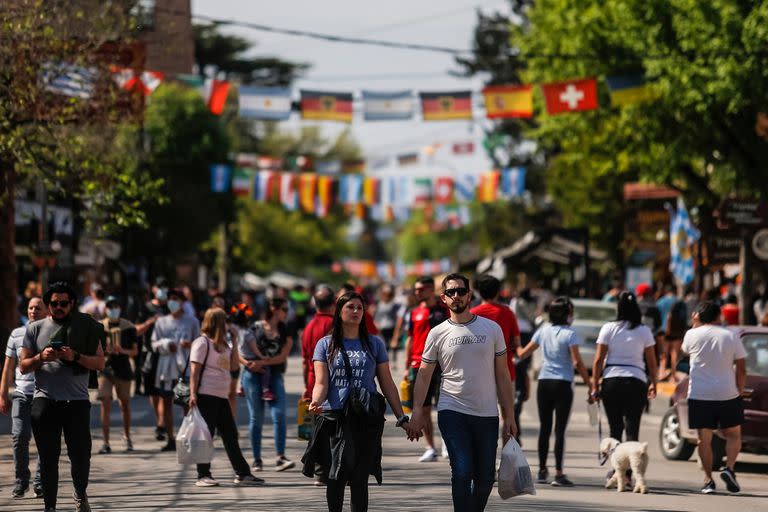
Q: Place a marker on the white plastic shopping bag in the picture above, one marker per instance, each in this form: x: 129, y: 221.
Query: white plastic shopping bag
x: 514, y: 476
x: 194, y: 444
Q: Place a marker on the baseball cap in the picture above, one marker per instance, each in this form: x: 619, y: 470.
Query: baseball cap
x: 642, y: 289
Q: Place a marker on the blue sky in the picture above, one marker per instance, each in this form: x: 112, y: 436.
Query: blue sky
x: 338, y: 66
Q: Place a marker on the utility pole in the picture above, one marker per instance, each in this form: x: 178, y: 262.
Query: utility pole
x: 222, y: 257
x: 44, y: 245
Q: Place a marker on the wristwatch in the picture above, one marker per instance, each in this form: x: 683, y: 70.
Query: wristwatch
x: 77, y: 357
x: 402, y: 419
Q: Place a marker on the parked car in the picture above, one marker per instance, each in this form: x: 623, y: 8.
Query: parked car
x: 589, y: 316
x: 678, y: 442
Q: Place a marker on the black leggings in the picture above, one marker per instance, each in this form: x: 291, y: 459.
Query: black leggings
x: 334, y: 495
x: 624, y: 399
x: 553, y: 396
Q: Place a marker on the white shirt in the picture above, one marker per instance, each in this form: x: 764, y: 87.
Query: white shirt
x: 466, y: 354
x: 713, y: 350
x: 626, y: 349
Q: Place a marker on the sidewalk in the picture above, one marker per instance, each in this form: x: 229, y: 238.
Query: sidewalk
x: 147, y: 480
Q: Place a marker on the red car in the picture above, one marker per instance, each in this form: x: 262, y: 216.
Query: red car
x: 678, y: 442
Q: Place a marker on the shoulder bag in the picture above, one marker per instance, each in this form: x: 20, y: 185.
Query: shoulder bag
x: 181, y: 390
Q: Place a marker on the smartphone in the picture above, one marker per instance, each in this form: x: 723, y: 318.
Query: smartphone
x: 56, y: 345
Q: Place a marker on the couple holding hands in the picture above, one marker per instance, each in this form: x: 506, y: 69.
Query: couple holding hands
x: 345, y: 448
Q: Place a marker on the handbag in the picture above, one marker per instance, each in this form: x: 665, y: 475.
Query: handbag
x: 361, y: 402
x: 182, y: 391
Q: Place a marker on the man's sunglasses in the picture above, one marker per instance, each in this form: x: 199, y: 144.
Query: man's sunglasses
x: 452, y: 292
x: 57, y: 303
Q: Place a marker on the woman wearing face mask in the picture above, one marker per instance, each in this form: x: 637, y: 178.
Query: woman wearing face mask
x: 171, y: 340
x: 560, y: 352
x: 117, y: 373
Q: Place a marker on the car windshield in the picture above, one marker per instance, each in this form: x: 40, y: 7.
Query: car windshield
x: 594, y: 313
x: 586, y: 332
x: 756, y: 346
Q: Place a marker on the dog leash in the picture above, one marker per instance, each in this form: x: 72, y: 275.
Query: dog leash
x: 601, y: 458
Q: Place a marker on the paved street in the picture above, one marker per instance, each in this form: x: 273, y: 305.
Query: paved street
x: 147, y: 480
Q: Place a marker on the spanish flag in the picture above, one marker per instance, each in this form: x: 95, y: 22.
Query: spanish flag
x: 488, y: 189
x: 307, y: 187
x: 444, y: 106
x: 326, y: 106
x: 324, y: 196
x: 629, y: 90
x: 370, y: 191
x: 506, y: 101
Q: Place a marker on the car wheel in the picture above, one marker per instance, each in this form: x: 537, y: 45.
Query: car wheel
x: 673, y: 445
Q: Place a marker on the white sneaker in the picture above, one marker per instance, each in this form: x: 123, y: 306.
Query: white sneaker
x: 430, y: 455
x: 206, y: 481
x: 445, y: 451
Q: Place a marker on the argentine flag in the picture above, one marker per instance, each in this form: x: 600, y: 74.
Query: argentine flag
x: 682, y: 236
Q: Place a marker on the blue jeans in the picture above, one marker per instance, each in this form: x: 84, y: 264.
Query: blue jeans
x: 471, y: 443
x: 252, y: 387
x: 21, y: 433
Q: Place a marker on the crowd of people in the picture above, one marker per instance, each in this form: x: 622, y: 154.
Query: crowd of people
x: 465, y: 352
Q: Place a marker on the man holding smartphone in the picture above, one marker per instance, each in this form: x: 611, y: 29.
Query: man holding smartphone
x: 60, y: 350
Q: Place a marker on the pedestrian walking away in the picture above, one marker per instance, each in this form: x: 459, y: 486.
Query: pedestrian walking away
x: 20, y: 404
x: 560, y: 348
x: 472, y: 354
x: 346, y: 438
x: 624, y: 369
x: 117, y: 374
x: 60, y: 350
x: 715, y: 390
x: 212, y: 362
x: 320, y: 326
x: 524, y: 308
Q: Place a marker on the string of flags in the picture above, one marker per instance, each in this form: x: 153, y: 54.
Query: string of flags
x: 385, y: 198
x: 277, y: 103
x: 391, y: 271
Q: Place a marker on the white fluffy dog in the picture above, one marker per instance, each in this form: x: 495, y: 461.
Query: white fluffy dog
x: 623, y: 456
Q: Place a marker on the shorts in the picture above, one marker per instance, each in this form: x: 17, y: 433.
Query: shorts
x: 106, y: 384
x: 433, y: 391
x: 715, y: 414
x: 153, y: 390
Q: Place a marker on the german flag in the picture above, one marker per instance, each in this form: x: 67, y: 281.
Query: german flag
x: 326, y: 106
x: 442, y: 106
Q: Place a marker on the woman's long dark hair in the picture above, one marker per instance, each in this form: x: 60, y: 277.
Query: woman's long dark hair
x: 628, y: 310
x: 337, y: 328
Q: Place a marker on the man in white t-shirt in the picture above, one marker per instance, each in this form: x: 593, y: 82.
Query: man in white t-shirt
x: 472, y: 354
x: 714, y: 390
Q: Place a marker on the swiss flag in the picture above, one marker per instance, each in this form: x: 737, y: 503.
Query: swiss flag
x: 444, y: 190
x: 570, y: 96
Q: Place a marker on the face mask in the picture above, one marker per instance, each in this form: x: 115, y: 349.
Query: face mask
x: 161, y: 294
x: 113, y: 313
x: 173, y: 306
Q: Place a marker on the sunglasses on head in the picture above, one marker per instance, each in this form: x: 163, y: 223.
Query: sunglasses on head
x: 452, y: 292
x: 59, y: 303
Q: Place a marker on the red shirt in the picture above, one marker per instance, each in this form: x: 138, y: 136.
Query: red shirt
x: 423, y: 319
x: 316, y: 329
x: 730, y: 314
x: 369, y: 324
x: 506, y: 319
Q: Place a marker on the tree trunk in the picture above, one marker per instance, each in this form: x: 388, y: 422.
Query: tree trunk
x: 8, y: 286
